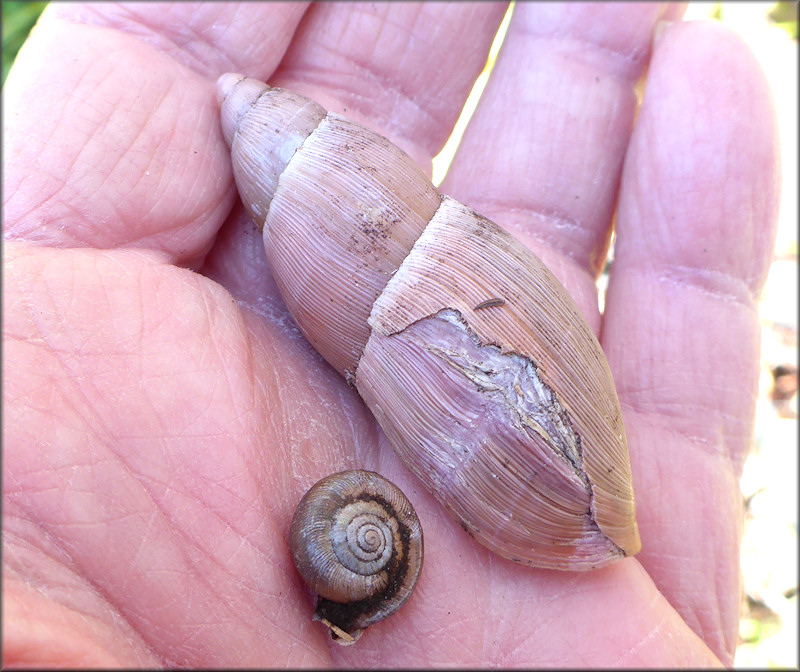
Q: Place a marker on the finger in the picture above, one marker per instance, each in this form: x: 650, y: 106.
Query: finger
x: 209, y: 38
x: 111, y: 141
x: 403, y: 69
x: 696, y: 225
x: 543, y: 152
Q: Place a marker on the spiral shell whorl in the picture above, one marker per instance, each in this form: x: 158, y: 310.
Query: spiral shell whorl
x: 362, y: 538
x: 357, y: 543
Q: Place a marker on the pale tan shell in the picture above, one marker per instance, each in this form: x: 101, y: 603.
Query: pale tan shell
x: 478, y: 365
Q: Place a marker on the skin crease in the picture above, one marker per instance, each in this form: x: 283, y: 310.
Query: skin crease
x: 163, y: 416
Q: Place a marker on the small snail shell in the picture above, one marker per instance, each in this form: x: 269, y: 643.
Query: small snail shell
x: 357, y: 542
x: 476, y: 362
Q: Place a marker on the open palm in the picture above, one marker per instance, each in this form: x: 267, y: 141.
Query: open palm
x: 163, y: 415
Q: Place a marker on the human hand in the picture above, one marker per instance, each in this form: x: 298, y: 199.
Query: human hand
x: 162, y: 423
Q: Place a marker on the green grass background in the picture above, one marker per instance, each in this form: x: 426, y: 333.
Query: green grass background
x: 18, y: 19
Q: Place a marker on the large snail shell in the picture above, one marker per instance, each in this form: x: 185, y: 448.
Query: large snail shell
x: 477, y: 363
x: 357, y: 542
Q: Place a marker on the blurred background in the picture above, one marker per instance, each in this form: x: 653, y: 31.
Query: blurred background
x: 768, y: 627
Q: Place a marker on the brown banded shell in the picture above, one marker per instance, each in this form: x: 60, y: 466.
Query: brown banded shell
x: 357, y: 542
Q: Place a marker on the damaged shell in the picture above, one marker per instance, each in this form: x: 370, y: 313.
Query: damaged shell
x: 476, y: 362
x: 357, y: 542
